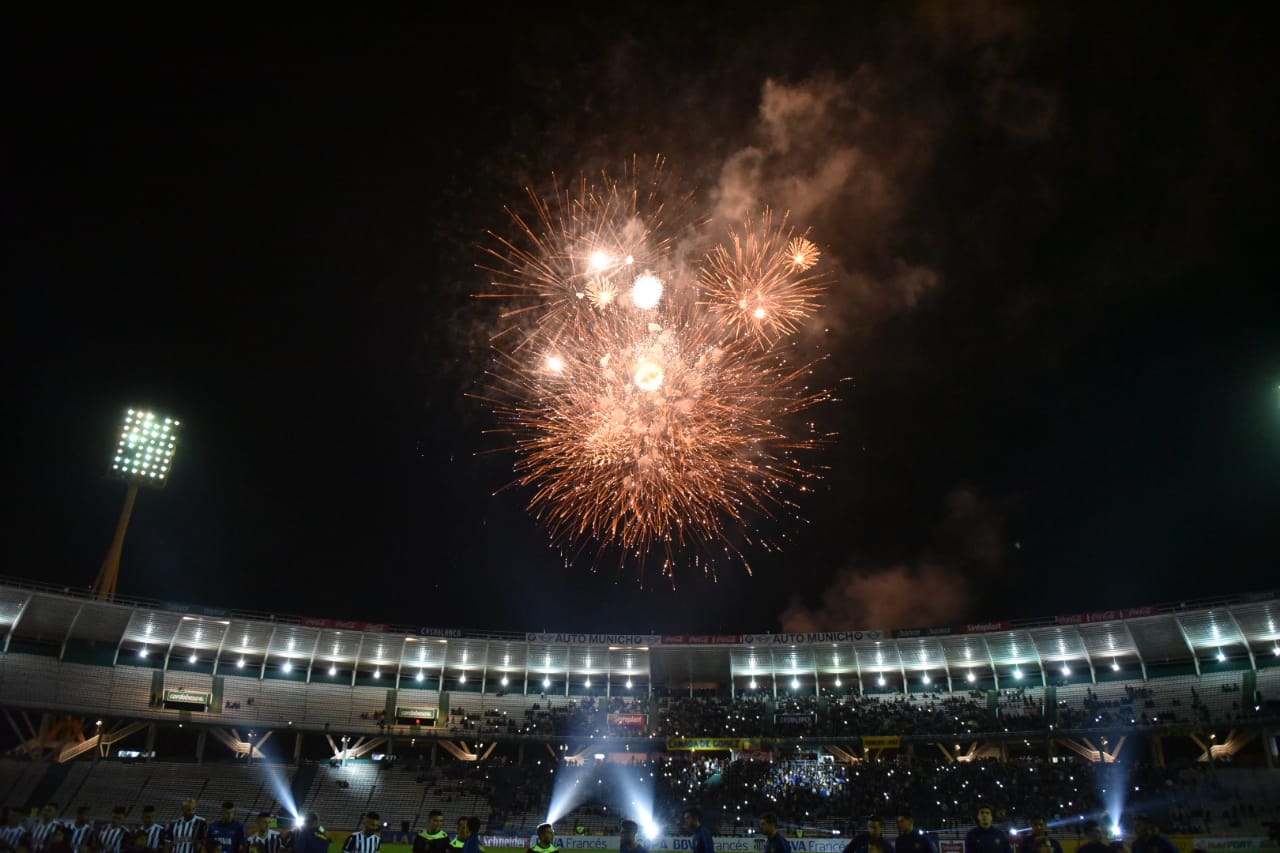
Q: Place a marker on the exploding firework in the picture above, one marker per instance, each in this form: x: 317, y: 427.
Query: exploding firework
x: 643, y: 370
x: 759, y: 281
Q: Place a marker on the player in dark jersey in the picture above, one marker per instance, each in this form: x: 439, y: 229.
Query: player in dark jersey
x: 774, y: 840
x: 871, y: 841
x: 985, y: 837
x: 628, y: 838
x: 910, y: 839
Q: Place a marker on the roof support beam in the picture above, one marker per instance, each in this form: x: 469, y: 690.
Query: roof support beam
x: 355, y: 666
x: 173, y: 639
x: 1253, y: 664
x: 67, y: 636
x: 266, y: 652
x: 311, y: 661
x: 1137, y: 651
x: 1088, y: 658
x: 217, y: 655
x: 1044, y: 678
x: 995, y: 676
x: 1186, y: 638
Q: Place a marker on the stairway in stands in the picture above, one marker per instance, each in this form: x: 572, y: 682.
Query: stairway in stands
x: 49, y: 783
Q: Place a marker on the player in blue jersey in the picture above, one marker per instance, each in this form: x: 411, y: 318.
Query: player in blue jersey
x: 986, y: 838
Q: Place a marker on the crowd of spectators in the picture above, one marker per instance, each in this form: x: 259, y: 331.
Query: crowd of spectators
x: 827, y: 796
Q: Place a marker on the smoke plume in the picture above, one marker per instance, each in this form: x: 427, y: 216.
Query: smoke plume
x: 937, y: 588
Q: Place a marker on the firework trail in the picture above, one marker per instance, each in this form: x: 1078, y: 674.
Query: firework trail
x: 646, y: 382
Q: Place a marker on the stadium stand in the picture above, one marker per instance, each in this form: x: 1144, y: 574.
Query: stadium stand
x: 825, y: 728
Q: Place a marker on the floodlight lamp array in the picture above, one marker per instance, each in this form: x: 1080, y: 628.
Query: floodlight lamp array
x: 144, y: 451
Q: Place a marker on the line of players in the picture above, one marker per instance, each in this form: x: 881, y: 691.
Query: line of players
x: 985, y: 837
x: 191, y: 833
x: 194, y: 834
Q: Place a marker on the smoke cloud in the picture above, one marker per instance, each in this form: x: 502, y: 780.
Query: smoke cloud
x: 935, y: 589
x: 856, y: 158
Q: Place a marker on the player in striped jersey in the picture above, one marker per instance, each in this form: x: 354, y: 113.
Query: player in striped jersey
x: 156, y: 834
x: 42, y: 830
x: 264, y: 839
x: 114, y: 837
x: 187, y: 834
x: 13, y: 835
x: 81, y: 834
x: 368, y: 839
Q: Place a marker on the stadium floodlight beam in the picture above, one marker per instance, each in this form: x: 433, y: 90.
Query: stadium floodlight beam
x: 143, y: 458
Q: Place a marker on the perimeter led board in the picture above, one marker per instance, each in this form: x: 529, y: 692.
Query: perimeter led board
x: 144, y: 452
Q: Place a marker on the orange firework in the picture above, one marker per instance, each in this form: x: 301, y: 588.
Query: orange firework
x: 642, y: 418
x: 759, y: 281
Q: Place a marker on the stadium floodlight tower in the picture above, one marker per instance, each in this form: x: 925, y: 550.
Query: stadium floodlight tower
x: 143, y: 457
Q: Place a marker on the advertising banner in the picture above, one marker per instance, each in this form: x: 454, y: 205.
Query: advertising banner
x: 811, y: 637
x: 417, y: 713
x: 1106, y: 615
x: 594, y: 639
x: 1223, y: 845
x: 723, y: 843
x: 345, y: 625
x: 186, y: 700
x: 186, y: 697
x: 795, y: 718
x: 881, y: 742
x: 628, y: 719
x: 905, y: 633
x: 984, y: 627
x: 734, y: 744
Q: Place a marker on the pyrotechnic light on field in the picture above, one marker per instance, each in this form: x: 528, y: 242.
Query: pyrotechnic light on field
x: 647, y: 371
x: 631, y: 787
x: 280, y: 786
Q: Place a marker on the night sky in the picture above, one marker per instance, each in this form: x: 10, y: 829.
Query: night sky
x: 1053, y: 295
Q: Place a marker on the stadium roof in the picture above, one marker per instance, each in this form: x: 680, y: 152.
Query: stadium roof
x: 1199, y: 635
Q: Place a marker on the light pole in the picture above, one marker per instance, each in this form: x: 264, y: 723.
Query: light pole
x: 142, y: 458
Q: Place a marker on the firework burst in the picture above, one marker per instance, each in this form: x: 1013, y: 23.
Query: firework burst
x: 759, y: 282
x: 649, y: 411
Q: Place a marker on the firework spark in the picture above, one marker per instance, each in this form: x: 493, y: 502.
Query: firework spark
x: 640, y: 372
x: 759, y: 281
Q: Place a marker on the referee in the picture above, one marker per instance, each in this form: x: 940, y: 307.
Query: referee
x: 368, y: 839
x: 187, y: 834
x: 433, y: 839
